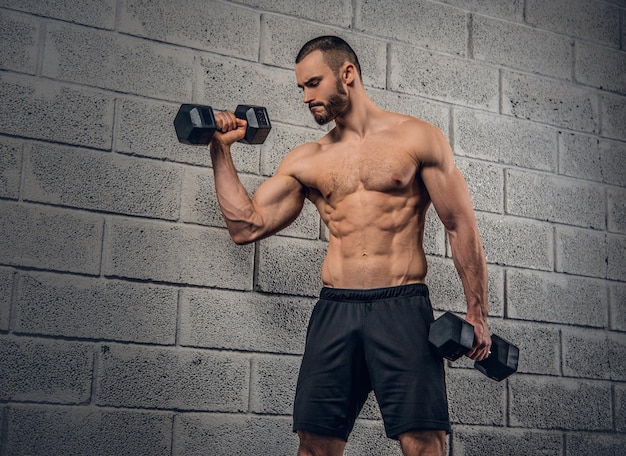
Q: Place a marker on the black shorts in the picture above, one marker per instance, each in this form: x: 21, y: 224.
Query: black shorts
x: 359, y: 340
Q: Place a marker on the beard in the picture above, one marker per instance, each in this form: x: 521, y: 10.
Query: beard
x: 335, y: 105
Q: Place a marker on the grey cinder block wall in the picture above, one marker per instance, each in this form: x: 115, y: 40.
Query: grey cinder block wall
x: 130, y: 324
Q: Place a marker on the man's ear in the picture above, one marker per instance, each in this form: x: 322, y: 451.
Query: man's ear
x: 348, y: 73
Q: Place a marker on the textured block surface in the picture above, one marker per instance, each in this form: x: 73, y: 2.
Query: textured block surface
x: 131, y: 323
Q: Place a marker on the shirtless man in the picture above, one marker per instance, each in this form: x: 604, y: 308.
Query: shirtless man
x: 372, y: 179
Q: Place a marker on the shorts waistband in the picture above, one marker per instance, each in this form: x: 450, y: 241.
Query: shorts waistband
x: 373, y: 294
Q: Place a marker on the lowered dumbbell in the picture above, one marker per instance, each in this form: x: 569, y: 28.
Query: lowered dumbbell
x: 452, y: 337
x: 195, y: 124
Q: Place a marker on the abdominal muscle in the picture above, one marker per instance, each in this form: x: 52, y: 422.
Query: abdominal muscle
x: 375, y: 242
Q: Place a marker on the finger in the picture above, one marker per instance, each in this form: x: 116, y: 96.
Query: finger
x: 226, y: 121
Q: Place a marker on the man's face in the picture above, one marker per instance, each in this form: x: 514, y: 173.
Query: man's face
x: 323, y: 91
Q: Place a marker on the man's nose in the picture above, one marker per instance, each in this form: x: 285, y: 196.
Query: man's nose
x: 307, y: 97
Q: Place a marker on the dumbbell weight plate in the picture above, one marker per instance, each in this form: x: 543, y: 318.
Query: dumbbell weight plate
x: 501, y: 362
x: 451, y: 336
x: 194, y: 124
x: 258, y: 120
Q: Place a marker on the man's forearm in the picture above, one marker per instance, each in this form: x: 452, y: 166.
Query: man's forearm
x: 235, y: 203
x: 469, y: 261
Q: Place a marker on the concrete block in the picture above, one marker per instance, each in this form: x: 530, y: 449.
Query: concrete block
x: 613, y: 156
x: 580, y: 156
x: 617, y: 355
x: 435, y: 113
x: 581, y: 252
x: 434, y: 234
x: 613, y: 109
x: 370, y: 410
x: 422, y: 23
x: 168, y: 378
x: 283, y: 37
x: 617, y: 309
x: 592, y: 21
x: 616, y: 258
x: 600, y: 67
x: 46, y: 371
x: 102, y: 182
x: 94, y: 309
x: 532, y: 296
x: 97, y: 13
x: 10, y: 168
x: 475, y: 399
x: 468, y: 441
x: 368, y: 437
x: 273, y: 384
x: 145, y: 128
x: 582, y: 444
x: 620, y: 408
x: 324, y: 11
x: 516, y: 242
x: 244, y: 321
x: 274, y: 88
x: 521, y: 47
x: 43, y: 109
x: 199, y: 199
x: 85, y: 430
x: 290, y: 266
x: 307, y: 225
x: 50, y: 238
x: 485, y: 183
x: 555, y: 199
x: 116, y: 62
x: 178, y: 254
x: 552, y: 102
x: 19, y: 42
x: 281, y: 141
x: 504, y: 140
x: 446, y: 291
x: 6, y: 296
x: 445, y: 78
x: 616, y: 210
x: 199, y: 434
x: 212, y: 25
x: 586, y: 354
x: 559, y: 403
x: 513, y: 10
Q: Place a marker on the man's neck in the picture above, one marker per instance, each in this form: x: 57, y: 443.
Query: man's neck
x: 360, y: 119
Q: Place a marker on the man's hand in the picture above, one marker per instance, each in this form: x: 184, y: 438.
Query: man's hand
x: 230, y: 129
x: 482, y: 339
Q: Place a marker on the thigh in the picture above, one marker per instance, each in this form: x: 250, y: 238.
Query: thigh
x: 407, y: 377
x: 333, y: 382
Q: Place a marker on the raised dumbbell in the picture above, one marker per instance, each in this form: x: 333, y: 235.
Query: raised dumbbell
x: 452, y: 337
x: 195, y: 124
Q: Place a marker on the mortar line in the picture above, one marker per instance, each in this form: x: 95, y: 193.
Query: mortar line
x: 103, y: 247
x: 26, y: 149
x: 172, y: 434
x: 469, y: 36
x: 43, y: 31
x: 13, y: 299
x: 179, y: 300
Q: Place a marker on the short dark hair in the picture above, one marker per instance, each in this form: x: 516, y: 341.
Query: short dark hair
x: 336, y: 52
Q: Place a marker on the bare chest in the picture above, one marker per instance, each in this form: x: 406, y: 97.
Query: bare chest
x: 375, y: 166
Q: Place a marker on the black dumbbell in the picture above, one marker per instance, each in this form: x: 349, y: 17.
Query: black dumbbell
x: 195, y: 124
x: 452, y: 337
